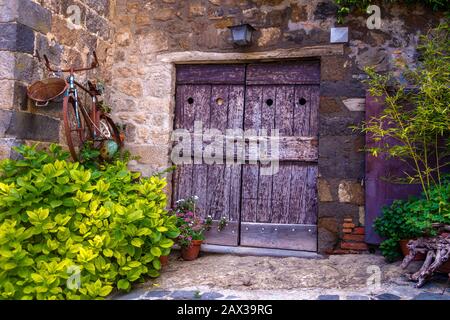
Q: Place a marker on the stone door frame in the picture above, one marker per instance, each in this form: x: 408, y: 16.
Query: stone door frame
x: 165, y: 65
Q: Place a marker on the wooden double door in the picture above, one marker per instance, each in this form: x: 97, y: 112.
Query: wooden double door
x: 251, y: 156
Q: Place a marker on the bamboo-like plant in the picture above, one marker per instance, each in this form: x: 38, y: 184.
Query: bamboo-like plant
x: 415, y: 123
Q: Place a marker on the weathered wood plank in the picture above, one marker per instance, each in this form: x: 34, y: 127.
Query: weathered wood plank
x: 216, y: 191
x: 306, y: 72
x: 200, y: 188
x: 285, y: 107
x: 298, y: 194
x: 252, y: 119
x: 250, y: 177
x: 210, y: 74
x: 235, y: 119
x: 281, y: 194
x: 302, y: 112
x: 282, y: 236
x: 264, y: 195
x: 314, y: 97
x: 235, y: 192
x: 180, y: 98
x: 312, y: 198
x: 185, y: 181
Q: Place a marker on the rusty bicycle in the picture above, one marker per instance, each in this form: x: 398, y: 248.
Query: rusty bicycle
x: 82, y: 124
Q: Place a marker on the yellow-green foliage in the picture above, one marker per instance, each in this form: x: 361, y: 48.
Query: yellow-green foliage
x: 68, y: 232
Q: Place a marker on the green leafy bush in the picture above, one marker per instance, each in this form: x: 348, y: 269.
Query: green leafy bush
x: 70, y: 232
x: 407, y: 219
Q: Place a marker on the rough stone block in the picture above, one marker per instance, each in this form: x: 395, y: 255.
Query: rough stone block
x: 164, y: 14
x: 346, y: 88
x: 340, y: 157
x: 97, y: 25
x: 101, y: 6
x: 27, y: 68
x: 34, y: 16
x: 8, y: 10
x: 150, y: 154
x: 7, y: 65
x: 24, y: 125
x: 329, y: 105
x: 325, y: 10
x: 53, y: 50
x: 5, y: 119
x: 337, y: 210
x: 6, y: 94
x: 20, y: 100
x: 268, y: 36
x: 333, y: 68
x: 16, y: 37
x: 132, y: 88
x: 196, y: 9
x: 351, y: 192
x: 340, y: 124
x: 324, y: 191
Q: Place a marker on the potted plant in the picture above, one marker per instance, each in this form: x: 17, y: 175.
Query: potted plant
x: 192, y: 228
x: 164, y: 257
x: 416, y: 217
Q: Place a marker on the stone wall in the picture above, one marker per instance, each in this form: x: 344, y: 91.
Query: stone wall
x: 139, y: 42
x: 152, y: 36
x: 48, y: 27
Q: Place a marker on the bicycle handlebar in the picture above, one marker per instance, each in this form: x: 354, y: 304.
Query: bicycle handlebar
x: 94, y: 65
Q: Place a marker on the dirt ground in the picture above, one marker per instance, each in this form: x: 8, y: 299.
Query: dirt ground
x: 224, y: 276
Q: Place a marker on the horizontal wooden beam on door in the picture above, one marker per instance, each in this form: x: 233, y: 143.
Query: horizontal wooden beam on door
x: 292, y: 148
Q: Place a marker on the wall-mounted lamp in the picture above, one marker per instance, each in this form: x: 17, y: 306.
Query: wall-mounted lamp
x: 242, y: 34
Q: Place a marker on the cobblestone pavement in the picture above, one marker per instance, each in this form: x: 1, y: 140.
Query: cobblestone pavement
x: 339, y: 277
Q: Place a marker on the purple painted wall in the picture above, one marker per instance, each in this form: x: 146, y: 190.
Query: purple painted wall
x: 378, y: 191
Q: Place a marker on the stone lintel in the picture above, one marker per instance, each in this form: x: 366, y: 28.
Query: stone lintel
x: 221, y: 57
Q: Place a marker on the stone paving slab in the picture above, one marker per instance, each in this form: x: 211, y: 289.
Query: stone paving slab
x: 230, y: 277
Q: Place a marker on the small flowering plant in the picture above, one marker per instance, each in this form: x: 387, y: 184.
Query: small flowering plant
x: 190, y: 225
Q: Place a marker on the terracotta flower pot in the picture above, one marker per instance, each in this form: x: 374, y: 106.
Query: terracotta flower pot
x: 191, y: 253
x: 164, y: 260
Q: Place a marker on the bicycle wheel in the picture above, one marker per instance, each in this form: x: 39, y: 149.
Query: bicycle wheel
x: 76, y: 128
x: 108, y: 129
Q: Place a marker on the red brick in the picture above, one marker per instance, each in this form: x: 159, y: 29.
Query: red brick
x: 348, y: 225
x: 347, y: 230
x: 354, y: 237
x: 358, y: 230
x: 354, y: 245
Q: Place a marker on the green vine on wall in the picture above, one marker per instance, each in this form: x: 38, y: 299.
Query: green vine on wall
x: 345, y: 7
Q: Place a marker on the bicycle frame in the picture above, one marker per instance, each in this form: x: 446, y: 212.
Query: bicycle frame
x: 72, y: 90
x: 94, y: 125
